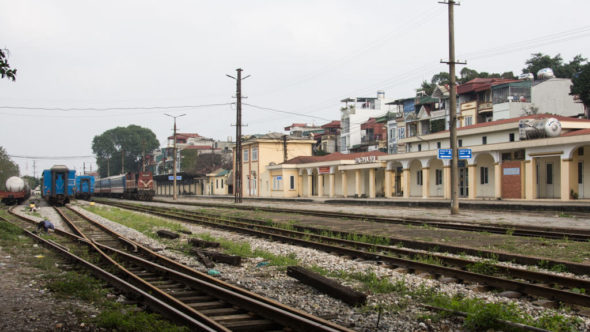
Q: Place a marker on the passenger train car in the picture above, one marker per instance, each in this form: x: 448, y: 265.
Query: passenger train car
x: 17, y: 191
x: 138, y: 186
x: 84, y: 186
x: 58, y: 184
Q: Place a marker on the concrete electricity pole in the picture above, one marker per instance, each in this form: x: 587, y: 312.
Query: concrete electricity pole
x: 238, y: 153
x: 453, y: 110
x: 174, y: 196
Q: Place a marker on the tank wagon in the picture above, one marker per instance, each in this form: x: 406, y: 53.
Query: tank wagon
x: 138, y: 186
x: 58, y: 185
x: 84, y: 186
x: 17, y: 191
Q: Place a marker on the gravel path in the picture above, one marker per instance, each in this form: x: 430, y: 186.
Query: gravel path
x: 274, y: 283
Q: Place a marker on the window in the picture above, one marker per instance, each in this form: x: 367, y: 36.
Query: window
x: 549, y: 173
x: 292, y: 182
x: 419, y: 147
x: 438, y: 145
x: 506, y: 156
x: 419, y: 177
x: 402, y: 133
x: 468, y: 121
x: 438, y: 177
x: 580, y: 172
x: 216, y: 183
x: 580, y: 151
x: 460, y: 142
x: 511, y: 137
x: 222, y: 181
x: 277, y: 182
x: 483, y: 176
x: 484, y: 140
x: 245, y: 155
x: 254, y: 154
x: 409, y: 147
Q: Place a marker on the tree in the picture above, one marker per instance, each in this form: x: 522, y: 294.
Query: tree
x: 33, y: 182
x: 5, y: 70
x: 7, y: 167
x: 581, y: 85
x: 539, y: 61
x: 122, y: 143
x: 441, y: 78
x: 468, y: 74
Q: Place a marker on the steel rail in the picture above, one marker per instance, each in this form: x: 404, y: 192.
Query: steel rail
x: 458, y: 262
x: 167, y: 262
x: 500, y: 283
x: 414, y: 244
x: 122, y: 285
x: 146, y: 285
x: 520, y: 230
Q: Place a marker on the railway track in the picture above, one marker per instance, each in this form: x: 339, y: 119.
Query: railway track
x: 520, y: 230
x: 538, y: 284
x: 214, y: 304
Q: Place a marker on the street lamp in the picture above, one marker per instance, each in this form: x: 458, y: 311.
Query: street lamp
x: 174, y: 150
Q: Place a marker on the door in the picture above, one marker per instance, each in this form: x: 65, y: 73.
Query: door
x: 463, y: 182
x: 254, y: 186
x: 398, y: 181
x: 549, y: 180
x: 581, y: 179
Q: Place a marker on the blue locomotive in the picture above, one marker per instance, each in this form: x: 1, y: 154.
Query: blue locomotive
x: 84, y: 186
x: 58, y: 184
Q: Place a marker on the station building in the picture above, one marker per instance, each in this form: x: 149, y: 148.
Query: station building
x: 504, y: 164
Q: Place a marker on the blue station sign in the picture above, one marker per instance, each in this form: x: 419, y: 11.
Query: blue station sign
x: 445, y: 154
x: 171, y: 177
x: 464, y: 153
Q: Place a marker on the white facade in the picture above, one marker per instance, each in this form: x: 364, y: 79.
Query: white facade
x: 355, y: 112
x: 553, y: 96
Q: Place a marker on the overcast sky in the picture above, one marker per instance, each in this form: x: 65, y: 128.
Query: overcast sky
x: 303, y: 57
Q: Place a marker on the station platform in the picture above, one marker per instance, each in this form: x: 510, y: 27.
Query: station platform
x: 539, y: 205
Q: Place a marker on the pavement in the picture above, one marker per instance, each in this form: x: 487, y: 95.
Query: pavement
x: 542, y: 213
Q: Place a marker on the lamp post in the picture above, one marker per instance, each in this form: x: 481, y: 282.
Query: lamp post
x: 174, y: 151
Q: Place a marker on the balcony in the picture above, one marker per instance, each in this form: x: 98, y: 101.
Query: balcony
x: 485, y: 107
x: 468, y: 105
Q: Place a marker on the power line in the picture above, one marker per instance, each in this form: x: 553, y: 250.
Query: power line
x: 104, y: 109
x: 50, y: 158
x: 286, y: 112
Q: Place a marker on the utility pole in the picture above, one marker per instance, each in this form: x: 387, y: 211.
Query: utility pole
x: 453, y: 111
x: 174, y: 196
x: 238, y: 153
x: 34, y: 170
x: 84, y: 168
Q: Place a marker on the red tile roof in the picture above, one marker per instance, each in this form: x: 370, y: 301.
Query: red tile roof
x: 332, y: 157
x: 198, y: 147
x: 333, y: 124
x: 577, y: 132
x: 481, y: 84
x: 534, y: 116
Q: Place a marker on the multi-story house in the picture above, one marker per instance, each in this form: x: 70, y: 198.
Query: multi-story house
x: 475, y: 100
x: 303, y: 129
x: 355, y: 112
x: 329, y: 139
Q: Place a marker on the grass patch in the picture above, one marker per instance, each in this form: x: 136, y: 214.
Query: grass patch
x: 73, y: 284
x: 9, y: 232
x: 145, y: 224
x: 486, y: 266
x: 121, y: 318
x: 245, y: 250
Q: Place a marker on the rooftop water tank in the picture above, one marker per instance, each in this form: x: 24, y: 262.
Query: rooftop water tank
x: 545, y: 73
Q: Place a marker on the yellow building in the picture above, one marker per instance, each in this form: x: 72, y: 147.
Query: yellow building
x: 217, y: 182
x: 260, y: 151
